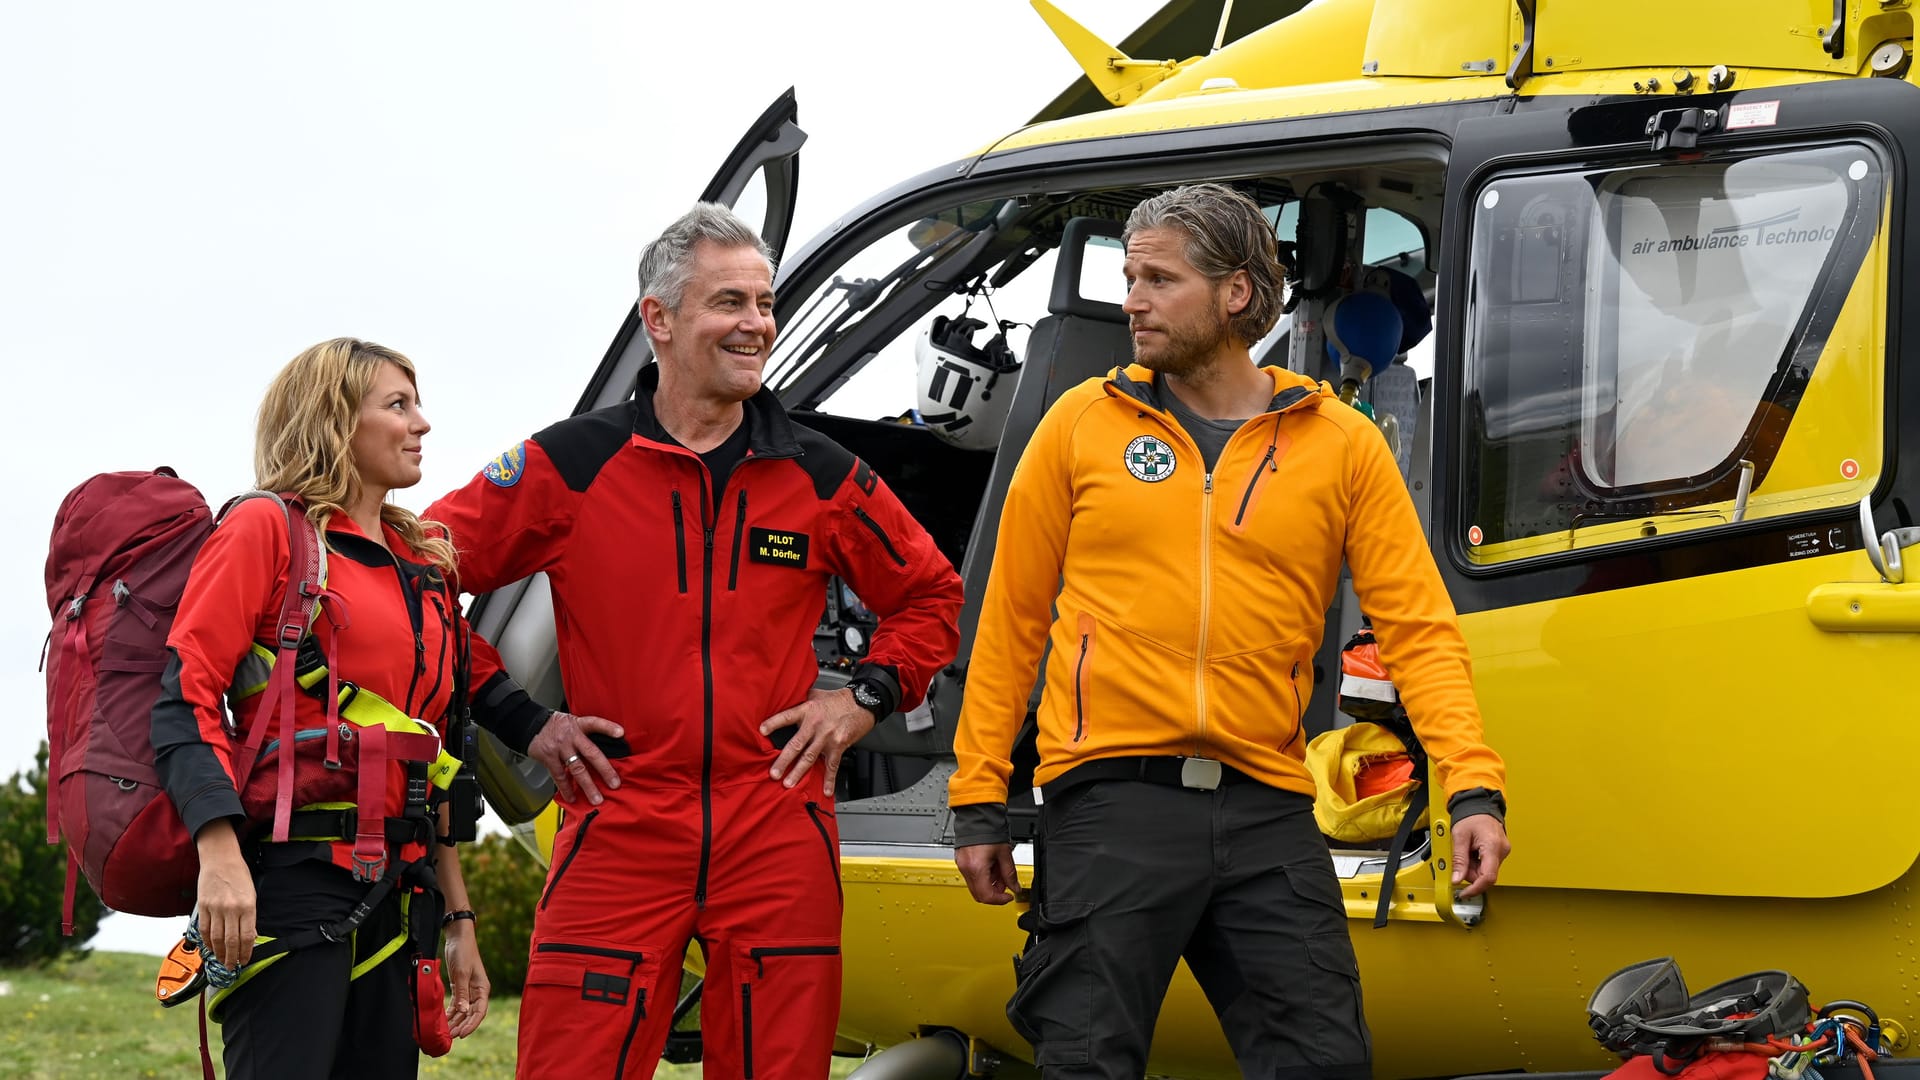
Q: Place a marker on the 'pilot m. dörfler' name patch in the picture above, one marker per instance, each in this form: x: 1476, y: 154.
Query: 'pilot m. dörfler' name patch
x: 781, y: 547
x: 507, y: 469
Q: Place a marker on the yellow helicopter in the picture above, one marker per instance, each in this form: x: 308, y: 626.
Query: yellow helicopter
x: 1655, y: 443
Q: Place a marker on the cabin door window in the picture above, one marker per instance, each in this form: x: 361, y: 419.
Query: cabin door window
x: 1667, y: 347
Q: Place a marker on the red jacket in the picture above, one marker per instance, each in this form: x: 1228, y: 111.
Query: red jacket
x: 689, y: 623
x: 399, y: 642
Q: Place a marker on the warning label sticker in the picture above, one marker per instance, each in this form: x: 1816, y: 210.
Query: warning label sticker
x: 1753, y: 114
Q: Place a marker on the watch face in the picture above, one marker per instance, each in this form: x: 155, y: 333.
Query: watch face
x: 864, y: 695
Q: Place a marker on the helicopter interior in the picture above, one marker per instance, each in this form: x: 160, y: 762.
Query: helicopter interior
x: 1043, y: 273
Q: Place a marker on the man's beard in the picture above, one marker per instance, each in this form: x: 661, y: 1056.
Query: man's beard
x: 1184, y: 349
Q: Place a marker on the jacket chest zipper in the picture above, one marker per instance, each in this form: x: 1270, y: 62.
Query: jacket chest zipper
x: 440, y: 660
x: 739, y: 534
x: 417, y: 619
x: 1206, y: 588
x: 1246, y: 501
x: 680, y: 542
x: 1206, y: 616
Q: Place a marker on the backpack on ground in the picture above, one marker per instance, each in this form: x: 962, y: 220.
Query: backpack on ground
x: 122, y: 546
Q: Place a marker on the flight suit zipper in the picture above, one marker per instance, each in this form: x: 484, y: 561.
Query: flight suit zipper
x: 739, y: 534
x: 680, y: 542
x: 706, y: 675
x: 885, y: 540
x: 833, y: 854
x: 746, y: 1030
x: 573, y: 849
x: 759, y: 957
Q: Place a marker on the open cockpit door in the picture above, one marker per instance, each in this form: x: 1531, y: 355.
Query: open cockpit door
x: 1669, y: 377
x: 764, y: 163
x: 764, y: 170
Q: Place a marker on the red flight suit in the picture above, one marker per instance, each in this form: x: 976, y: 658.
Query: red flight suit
x: 689, y: 621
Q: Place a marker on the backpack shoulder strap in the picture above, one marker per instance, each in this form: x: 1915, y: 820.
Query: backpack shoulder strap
x: 306, y: 573
x: 307, y: 561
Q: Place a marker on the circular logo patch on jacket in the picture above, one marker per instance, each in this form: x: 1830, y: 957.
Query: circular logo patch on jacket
x: 507, y: 469
x: 1150, y: 459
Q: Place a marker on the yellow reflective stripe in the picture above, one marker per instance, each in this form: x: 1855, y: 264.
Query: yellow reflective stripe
x: 368, y: 708
x: 442, y: 769
x: 362, y: 708
x: 219, y: 997
x: 246, y: 973
x: 386, y: 950
x: 251, y: 676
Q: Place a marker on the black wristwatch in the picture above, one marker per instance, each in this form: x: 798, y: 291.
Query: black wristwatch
x: 867, y: 695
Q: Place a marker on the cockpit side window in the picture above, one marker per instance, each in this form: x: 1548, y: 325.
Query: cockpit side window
x: 924, y: 256
x: 1668, y: 347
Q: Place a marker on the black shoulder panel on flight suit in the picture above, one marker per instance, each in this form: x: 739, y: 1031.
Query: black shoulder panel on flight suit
x: 826, y: 461
x: 579, y: 446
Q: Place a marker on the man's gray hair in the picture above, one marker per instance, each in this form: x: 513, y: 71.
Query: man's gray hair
x: 667, y: 264
x: 1225, y: 232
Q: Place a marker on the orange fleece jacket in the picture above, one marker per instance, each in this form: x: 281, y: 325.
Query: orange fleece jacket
x: 1190, y: 604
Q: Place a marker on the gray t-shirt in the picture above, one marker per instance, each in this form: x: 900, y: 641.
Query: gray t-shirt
x: 1209, y: 434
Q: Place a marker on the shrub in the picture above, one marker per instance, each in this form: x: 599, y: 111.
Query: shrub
x: 33, y: 877
x: 503, y: 883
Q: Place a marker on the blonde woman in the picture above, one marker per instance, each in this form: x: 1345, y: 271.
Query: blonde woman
x: 340, y: 429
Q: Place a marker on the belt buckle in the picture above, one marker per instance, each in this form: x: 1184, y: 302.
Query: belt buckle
x: 1200, y: 773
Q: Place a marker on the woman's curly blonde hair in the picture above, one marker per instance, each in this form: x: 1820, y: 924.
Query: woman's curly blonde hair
x: 303, y: 442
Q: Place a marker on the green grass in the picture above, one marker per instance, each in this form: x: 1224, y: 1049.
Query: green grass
x: 96, y: 1017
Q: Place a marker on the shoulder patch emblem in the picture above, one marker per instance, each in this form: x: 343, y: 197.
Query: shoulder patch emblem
x: 507, y: 469
x: 863, y: 476
x: 1150, y: 459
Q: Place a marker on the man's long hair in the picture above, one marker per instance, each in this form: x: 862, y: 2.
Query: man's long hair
x: 1225, y: 232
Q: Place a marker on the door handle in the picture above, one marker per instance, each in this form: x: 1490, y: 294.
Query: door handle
x: 1885, y: 551
x: 1847, y: 607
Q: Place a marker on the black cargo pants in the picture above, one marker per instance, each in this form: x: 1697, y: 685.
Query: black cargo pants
x: 1131, y: 876
x: 303, y: 1017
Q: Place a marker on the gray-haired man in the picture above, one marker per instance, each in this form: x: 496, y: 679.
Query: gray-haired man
x: 689, y: 535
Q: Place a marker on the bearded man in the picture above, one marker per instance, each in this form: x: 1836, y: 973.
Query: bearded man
x: 1176, y: 532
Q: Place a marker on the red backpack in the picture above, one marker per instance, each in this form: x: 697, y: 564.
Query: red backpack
x: 123, y: 544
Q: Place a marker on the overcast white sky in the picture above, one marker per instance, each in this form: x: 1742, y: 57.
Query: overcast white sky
x: 193, y: 193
